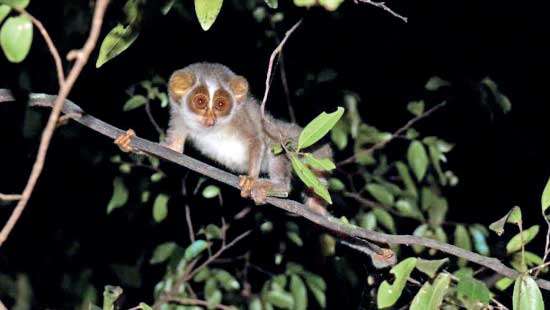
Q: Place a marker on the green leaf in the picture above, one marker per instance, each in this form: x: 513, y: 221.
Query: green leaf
x: 480, y: 240
x: 470, y: 288
x: 309, y: 178
x: 281, y: 299
x: 167, y: 6
x: 227, y: 280
x: 304, y: 3
x: 336, y: 185
x: 462, y: 238
x: 418, y: 159
x: 339, y: 135
x: 4, y: 11
x: 207, y: 11
x: 438, y: 211
x: 430, y: 267
x: 162, y: 252
x: 324, y: 164
x: 513, y: 216
x: 272, y: 3
x: 210, y: 191
x: 157, y: 176
x: 385, y: 218
x: 504, y: 283
x: 120, y: 195
x: 160, y: 208
x: 214, y: 299
x: 116, y: 42
x: 213, y: 232
x: 416, y: 107
x: 388, y: 294
x: 367, y: 221
x: 330, y: 5
x: 317, y: 287
x: 434, y: 83
x: 144, y: 306
x: 408, y: 208
x: 298, y: 291
x: 406, y: 178
x: 16, y: 38
x: 194, y: 249
x: 134, y: 102
x: 545, y: 198
x: 16, y: 3
x: 527, y: 295
x: 380, y: 193
x: 526, y: 236
x: 110, y: 296
x: 295, y: 238
x: 420, y: 231
x: 318, y: 128
x: 431, y: 297
x: 255, y: 304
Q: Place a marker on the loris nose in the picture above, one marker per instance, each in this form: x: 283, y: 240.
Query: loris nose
x: 209, y: 122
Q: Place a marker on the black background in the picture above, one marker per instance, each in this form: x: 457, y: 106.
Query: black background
x: 501, y: 160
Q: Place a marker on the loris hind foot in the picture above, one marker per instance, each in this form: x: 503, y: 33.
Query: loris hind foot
x: 257, y: 189
x: 124, y: 140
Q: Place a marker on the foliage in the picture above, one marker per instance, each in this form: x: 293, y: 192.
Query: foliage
x: 397, y: 189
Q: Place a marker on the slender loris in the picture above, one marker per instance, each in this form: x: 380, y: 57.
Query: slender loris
x: 211, y: 107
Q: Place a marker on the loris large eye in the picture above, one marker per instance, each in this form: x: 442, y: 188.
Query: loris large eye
x: 200, y: 101
x: 220, y: 104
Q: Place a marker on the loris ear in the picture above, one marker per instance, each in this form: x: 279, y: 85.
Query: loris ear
x: 180, y: 83
x: 239, y: 86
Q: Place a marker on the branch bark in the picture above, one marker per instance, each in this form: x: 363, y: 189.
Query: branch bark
x: 347, y: 232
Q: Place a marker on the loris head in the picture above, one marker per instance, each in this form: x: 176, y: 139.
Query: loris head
x: 207, y: 94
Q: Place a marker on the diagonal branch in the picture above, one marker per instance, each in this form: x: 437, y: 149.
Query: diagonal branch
x: 329, y: 223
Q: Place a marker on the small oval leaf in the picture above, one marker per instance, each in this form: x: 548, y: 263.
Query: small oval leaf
x: 319, y: 127
x: 207, y: 11
x: 16, y: 38
x: 418, y: 159
x: 116, y: 42
x: 160, y: 208
x: 195, y: 249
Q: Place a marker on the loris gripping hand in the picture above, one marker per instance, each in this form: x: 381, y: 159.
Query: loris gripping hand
x: 211, y: 107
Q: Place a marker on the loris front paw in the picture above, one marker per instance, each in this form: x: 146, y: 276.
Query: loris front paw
x: 245, y: 183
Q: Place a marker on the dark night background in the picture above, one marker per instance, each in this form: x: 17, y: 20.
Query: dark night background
x: 500, y: 159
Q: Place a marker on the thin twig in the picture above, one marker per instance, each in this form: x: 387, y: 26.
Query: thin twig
x: 383, y: 6
x: 284, y: 80
x: 49, y: 42
x: 47, y: 133
x: 396, y: 134
x: 189, y: 223
x: 9, y: 197
x: 274, y: 54
x: 214, y: 256
x: 334, y: 225
x: 152, y: 119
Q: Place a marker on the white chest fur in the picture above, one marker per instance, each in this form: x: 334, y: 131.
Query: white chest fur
x: 225, y: 147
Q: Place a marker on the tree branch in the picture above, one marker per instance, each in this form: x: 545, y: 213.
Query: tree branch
x: 57, y: 105
x: 344, y: 231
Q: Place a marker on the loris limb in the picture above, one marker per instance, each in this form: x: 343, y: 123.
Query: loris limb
x: 175, y: 135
